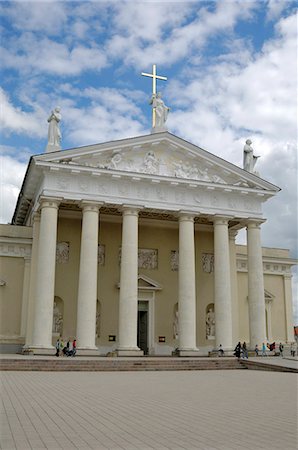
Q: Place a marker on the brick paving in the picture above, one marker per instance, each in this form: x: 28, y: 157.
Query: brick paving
x: 208, y: 410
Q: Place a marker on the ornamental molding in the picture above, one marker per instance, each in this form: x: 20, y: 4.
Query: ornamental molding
x: 274, y: 268
x: 153, y: 194
x: 18, y: 249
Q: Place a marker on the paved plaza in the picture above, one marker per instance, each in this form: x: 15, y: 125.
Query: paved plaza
x: 233, y: 410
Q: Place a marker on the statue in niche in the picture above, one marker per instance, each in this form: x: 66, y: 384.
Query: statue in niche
x: 54, y: 133
x: 161, y: 110
x: 174, y: 260
x: 210, y: 324
x: 62, y: 252
x: 249, y: 159
x: 208, y: 262
x: 57, y: 320
x: 150, y: 163
x: 176, y: 322
x: 101, y: 255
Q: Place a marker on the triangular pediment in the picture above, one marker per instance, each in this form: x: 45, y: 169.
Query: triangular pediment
x: 160, y: 155
x: 147, y: 284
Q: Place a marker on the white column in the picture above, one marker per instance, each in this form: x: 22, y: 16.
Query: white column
x: 187, y: 286
x: 222, y: 284
x: 234, y: 286
x: 128, y: 296
x: 256, y: 300
x: 25, y: 296
x: 269, y: 321
x: 45, y: 275
x: 289, y: 308
x: 87, y: 289
x: 32, y: 283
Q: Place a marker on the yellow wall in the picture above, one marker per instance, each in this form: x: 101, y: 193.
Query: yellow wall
x: 12, y: 272
x: 164, y: 239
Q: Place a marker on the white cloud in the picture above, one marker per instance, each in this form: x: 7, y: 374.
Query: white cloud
x: 30, y: 54
x: 15, y: 120
x: 163, y: 36
x: 44, y: 16
x: 12, y: 174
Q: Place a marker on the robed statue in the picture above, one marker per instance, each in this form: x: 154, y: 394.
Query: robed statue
x: 249, y: 159
x: 161, y: 111
x: 54, y: 133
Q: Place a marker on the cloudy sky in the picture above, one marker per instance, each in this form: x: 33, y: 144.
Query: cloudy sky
x: 231, y: 68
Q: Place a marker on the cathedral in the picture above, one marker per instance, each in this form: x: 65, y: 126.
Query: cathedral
x: 129, y: 247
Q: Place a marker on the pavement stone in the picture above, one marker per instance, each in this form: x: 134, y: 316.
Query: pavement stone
x: 177, y: 410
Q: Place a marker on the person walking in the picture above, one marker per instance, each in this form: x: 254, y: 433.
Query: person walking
x: 281, y: 349
x: 256, y: 350
x: 244, y: 351
x: 57, y: 346
x: 237, y: 351
x: 74, y: 347
x: 61, y: 346
x: 220, y: 350
x: 264, y: 349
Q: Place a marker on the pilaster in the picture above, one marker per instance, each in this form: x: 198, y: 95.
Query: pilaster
x: 234, y: 285
x: 25, y: 296
x: 32, y: 281
x: 288, y: 308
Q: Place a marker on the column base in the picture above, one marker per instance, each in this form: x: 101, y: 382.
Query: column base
x: 130, y: 352
x: 188, y: 352
x: 81, y: 351
x: 34, y: 350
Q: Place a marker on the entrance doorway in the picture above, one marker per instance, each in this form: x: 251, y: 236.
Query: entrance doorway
x: 143, y: 326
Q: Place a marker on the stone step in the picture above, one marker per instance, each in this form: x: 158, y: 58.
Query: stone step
x: 142, y: 364
x: 116, y: 364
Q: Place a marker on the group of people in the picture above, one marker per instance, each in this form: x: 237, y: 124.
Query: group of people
x: 241, y: 350
x: 69, y: 349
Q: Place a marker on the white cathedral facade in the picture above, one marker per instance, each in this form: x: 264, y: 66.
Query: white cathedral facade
x: 129, y: 247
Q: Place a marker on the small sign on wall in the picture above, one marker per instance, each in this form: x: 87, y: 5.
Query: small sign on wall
x: 161, y: 339
x: 112, y: 338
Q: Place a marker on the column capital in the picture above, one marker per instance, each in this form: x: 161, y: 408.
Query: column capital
x: 90, y: 206
x: 288, y: 276
x: 186, y: 215
x: 254, y: 223
x: 221, y: 220
x: 49, y: 202
x: 131, y: 210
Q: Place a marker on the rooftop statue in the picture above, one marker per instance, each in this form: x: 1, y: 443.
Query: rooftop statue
x: 161, y: 111
x: 54, y: 133
x: 249, y: 159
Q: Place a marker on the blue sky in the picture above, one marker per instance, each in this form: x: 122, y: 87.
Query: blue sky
x: 231, y: 68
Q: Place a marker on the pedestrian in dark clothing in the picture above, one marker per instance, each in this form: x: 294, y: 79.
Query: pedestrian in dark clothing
x: 237, y: 351
x: 244, y: 351
x: 74, y: 347
x: 57, y: 347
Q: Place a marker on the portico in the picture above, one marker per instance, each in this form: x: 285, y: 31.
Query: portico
x: 169, y: 209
